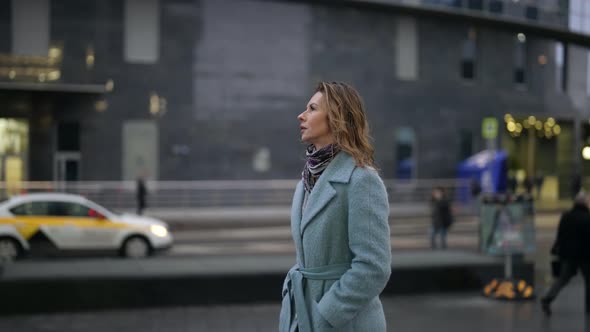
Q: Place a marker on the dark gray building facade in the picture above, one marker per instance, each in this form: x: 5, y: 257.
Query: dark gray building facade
x: 210, y: 89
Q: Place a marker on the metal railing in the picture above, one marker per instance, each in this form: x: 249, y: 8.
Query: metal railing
x: 195, y: 194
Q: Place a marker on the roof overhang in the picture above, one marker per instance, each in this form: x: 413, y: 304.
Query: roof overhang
x: 54, y: 87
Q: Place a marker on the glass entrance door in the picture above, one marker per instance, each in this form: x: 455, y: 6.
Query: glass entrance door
x: 67, y: 166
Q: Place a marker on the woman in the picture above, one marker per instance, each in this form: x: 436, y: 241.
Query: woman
x: 339, y: 222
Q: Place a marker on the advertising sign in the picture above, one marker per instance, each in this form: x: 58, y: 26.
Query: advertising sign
x: 507, y: 228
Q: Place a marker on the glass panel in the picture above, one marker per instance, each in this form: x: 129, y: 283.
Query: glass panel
x: 22, y: 210
x: 75, y: 210
x: 575, y: 22
x: 71, y: 169
x: 496, y: 6
x: 465, y: 144
x: 140, y: 149
x: 30, y: 27
x: 13, y: 174
x: 66, y: 209
x: 14, y: 136
x: 142, y: 31
x: 576, y: 6
x: 406, y: 49
x: 475, y: 4
x: 559, y: 54
x: 68, y: 137
x: 586, y: 27
x: 31, y: 209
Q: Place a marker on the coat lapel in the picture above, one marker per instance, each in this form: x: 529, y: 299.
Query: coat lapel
x: 339, y: 170
x: 296, y: 219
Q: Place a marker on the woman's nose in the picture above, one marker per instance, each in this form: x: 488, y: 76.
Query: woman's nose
x: 300, y: 117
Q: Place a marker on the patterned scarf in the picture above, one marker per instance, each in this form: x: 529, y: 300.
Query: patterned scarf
x: 317, y: 161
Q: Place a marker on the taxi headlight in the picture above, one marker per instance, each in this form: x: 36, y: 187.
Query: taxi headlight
x: 159, y: 230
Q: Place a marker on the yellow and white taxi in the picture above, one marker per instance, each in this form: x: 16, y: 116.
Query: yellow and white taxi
x: 49, y: 223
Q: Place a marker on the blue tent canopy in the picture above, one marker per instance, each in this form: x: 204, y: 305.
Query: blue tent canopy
x: 488, y: 167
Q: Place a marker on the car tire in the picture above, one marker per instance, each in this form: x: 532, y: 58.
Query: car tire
x: 10, y: 250
x: 136, y: 247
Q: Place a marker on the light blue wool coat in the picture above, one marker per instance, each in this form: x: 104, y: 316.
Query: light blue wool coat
x: 345, y: 222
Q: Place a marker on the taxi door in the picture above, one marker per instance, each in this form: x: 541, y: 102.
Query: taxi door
x: 60, y: 226
x: 42, y: 227
x: 94, y: 231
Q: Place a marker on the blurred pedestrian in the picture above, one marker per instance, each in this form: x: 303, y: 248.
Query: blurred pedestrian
x: 442, y: 217
x: 475, y: 187
x: 539, y: 179
x: 339, y: 220
x: 576, y: 184
x: 141, y: 193
x: 528, y: 185
x: 512, y: 182
x: 572, y: 246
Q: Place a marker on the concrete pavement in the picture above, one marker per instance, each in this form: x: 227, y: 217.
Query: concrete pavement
x: 450, y: 312
x: 90, y: 284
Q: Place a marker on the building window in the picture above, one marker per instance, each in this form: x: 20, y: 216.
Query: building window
x: 468, y: 57
x: 406, y: 49
x: 465, y: 144
x: 520, y: 59
x: 579, y: 16
x: 475, y: 4
x: 142, y: 31
x: 496, y: 6
x: 68, y: 136
x: 30, y: 27
x: 560, y: 72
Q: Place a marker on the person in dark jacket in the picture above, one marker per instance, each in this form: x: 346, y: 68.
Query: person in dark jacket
x: 576, y: 184
x: 442, y: 217
x: 572, y: 246
x: 141, y: 193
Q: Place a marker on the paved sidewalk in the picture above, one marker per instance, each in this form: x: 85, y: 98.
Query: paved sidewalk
x: 456, y: 312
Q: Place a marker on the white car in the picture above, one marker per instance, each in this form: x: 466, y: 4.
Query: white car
x: 52, y: 222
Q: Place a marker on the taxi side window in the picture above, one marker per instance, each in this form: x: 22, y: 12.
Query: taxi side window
x: 31, y: 209
x: 65, y: 209
x: 22, y: 210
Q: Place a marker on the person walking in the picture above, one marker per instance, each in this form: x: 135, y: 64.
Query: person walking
x: 573, y: 249
x: 576, y: 184
x: 339, y: 222
x: 141, y: 193
x: 512, y: 182
x: 539, y: 179
x: 528, y: 185
x: 442, y: 217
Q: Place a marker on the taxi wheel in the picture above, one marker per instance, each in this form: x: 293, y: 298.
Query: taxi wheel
x: 136, y: 247
x: 9, y: 249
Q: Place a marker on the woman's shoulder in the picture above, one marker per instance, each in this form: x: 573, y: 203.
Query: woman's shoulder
x: 365, y: 173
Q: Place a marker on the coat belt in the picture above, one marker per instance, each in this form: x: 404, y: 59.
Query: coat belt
x: 295, y: 288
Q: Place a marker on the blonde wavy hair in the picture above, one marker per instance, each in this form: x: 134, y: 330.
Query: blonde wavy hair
x: 347, y: 121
